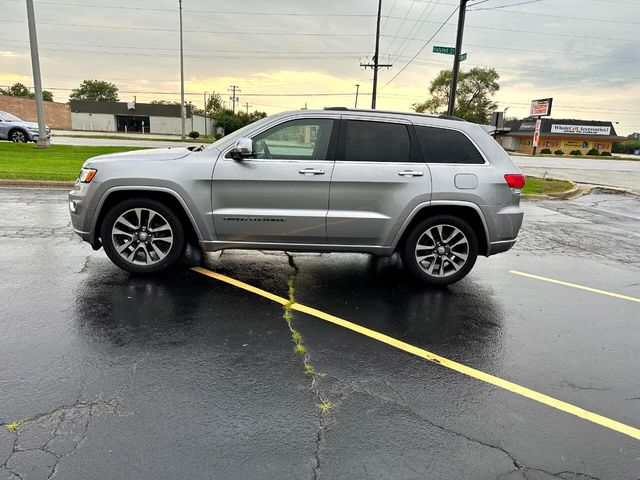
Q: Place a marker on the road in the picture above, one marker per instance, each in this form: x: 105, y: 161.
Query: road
x: 614, y: 173
x: 182, y: 375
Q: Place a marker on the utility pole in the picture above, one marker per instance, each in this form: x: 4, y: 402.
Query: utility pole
x: 182, y: 109
x: 205, y: 114
x: 233, y: 89
x: 357, y: 90
x: 43, y: 141
x: 376, y: 65
x: 246, y: 104
x: 456, y: 57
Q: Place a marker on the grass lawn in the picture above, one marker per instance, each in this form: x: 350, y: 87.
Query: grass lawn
x: 545, y: 185
x: 24, y: 161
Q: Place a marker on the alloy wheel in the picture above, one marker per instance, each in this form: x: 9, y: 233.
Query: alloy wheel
x: 18, y: 137
x: 142, y: 236
x: 442, y: 250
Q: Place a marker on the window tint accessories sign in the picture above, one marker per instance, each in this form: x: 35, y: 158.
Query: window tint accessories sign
x: 581, y: 129
x: 536, y: 134
x: 541, y: 108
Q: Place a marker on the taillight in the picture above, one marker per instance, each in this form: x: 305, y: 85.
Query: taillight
x: 515, y: 180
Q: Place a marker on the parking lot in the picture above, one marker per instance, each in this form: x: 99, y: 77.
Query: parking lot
x: 526, y: 369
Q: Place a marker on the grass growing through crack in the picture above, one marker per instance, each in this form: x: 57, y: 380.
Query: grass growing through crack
x: 13, y: 427
x: 325, y: 405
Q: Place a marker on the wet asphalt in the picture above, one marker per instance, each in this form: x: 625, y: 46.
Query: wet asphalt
x: 116, y: 376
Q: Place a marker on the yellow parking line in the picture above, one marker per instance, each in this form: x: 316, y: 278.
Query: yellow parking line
x: 445, y: 362
x: 575, y: 285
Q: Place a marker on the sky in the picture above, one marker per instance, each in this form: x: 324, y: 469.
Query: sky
x: 294, y: 53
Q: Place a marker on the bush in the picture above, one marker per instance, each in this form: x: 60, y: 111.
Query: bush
x: 593, y: 151
x: 605, y: 154
x: 559, y: 152
x: 545, y: 151
x: 194, y: 134
x: 575, y: 152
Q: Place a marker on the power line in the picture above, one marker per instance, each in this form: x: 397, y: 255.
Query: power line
x: 422, y: 48
x: 546, y: 15
x: 505, y: 6
x: 416, y: 27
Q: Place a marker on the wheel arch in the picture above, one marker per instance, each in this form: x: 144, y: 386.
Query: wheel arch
x: 467, y: 211
x: 165, y: 195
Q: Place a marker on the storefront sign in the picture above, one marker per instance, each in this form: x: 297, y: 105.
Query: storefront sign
x: 581, y: 129
x: 541, y: 108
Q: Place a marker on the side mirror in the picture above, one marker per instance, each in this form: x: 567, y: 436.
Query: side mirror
x: 243, y: 148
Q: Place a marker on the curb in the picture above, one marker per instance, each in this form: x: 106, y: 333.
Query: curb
x: 37, y: 184
x: 574, y: 191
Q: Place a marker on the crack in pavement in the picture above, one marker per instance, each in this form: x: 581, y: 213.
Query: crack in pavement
x: 326, y: 405
x: 401, y: 402
x: 41, y: 442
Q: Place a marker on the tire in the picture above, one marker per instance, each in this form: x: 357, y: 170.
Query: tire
x: 142, y: 235
x: 448, y: 247
x: 18, y: 136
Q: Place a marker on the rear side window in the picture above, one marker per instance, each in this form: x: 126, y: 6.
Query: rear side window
x: 440, y: 145
x: 365, y: 141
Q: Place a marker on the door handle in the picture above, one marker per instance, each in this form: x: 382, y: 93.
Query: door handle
x: 410, y: 173
x: 311, y: 171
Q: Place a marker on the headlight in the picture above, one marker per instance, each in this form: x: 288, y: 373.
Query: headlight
x: 87, y: 174
x: 32, y: 129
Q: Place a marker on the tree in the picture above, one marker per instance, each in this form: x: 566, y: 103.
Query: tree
x: 21, y: 90
x: 474, y: 96
x: 96, y: 90
x: 214, y: 104
x: 164, y: 102
x: 226, y: 119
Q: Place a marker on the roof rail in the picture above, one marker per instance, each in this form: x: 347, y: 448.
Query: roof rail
x: 444, y: 117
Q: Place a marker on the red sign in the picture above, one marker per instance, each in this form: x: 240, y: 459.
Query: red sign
x: 541, y: 108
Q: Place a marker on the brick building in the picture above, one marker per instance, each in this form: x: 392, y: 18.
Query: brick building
x: 58, y: 115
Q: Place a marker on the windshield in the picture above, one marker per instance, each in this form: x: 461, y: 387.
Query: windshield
x: 237, y: 134
x: 7, y: 117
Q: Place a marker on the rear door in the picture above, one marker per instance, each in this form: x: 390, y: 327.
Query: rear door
x: 281, y: 194
x: 378, y: 179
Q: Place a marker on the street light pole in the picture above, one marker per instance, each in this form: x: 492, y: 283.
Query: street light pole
x: 43, y: 141
x: 205, y: 114
x: 357, y: 90
x: 456, y: 57
x: 182, y: 109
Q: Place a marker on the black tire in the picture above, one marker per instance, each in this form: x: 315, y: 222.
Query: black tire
x: 173, y: 251
x: 442, y: 263
x: 17, y: 135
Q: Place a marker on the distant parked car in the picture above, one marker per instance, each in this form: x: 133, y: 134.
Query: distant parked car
x: 438, y: 190
x: 17, y: 130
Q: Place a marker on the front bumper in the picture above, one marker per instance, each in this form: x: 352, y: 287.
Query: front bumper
x: 35, y: 136
x: 81, y: 213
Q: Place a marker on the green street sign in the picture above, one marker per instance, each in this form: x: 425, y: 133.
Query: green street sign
x: 463, y: 57
x: 445, y: 50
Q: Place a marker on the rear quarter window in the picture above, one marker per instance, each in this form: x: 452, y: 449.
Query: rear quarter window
x: 441, y: 145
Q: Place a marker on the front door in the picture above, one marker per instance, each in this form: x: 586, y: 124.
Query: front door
x: 281, y: 193
x: 379, y: 178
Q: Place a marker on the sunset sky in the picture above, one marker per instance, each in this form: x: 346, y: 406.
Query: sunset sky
x: 583, y: 53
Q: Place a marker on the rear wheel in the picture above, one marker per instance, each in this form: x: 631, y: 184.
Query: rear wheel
x: 18, y: 136
x: 440, y: 250
x: 142, y: 236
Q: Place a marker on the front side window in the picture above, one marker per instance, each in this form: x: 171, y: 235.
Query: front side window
x: 441, y: 145
x: 366, y: 141
x: 304, y: 139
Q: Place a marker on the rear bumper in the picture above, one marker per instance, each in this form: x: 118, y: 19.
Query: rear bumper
x: 503, y: 222
x: 502, y: 246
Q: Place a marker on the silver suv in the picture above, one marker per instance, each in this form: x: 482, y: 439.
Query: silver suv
x: 437, y: 190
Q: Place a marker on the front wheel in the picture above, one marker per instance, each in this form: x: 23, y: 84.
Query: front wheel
x: 142, y: 236
x: 18, y: 136
x: 440, y: 250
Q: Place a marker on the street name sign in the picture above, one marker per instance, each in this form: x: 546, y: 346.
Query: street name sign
x: 445, y: 50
